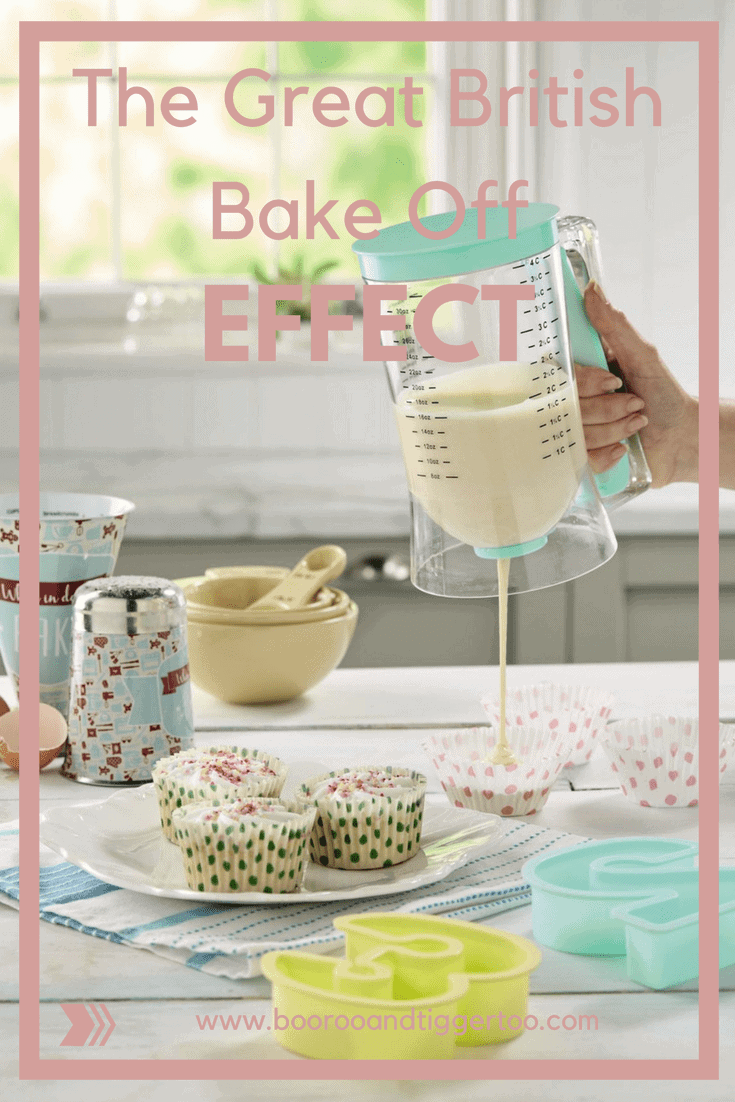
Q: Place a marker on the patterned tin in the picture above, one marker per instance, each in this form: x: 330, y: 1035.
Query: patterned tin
x: 130, y: 695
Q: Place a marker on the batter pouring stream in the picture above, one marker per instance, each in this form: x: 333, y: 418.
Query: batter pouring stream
x: 502, y: 753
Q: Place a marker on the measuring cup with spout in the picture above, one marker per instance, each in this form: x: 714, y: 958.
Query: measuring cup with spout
x: 486, y: 402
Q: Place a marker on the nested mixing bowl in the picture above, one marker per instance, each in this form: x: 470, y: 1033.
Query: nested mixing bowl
x: 226, y: 597
x: 263, y: 663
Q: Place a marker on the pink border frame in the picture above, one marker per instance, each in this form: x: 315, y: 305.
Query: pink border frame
x: 706, y: 35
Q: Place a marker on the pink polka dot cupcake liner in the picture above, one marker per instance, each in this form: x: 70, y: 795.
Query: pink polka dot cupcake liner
x: 469, y: 779
x: 656, y: 759
x: 573, y: 713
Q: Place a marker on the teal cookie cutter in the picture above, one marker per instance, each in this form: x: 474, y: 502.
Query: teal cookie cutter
x: 410, y: 987
x: 632, y: 897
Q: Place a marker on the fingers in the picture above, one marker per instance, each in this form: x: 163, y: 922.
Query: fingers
x: 595, y: 380
x: 609, y: 407
x: 616, y: 332
x: 602, y: 436
x: 602, y: 459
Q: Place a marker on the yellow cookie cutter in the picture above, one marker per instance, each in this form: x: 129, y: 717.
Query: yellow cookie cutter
x: 410, y: 987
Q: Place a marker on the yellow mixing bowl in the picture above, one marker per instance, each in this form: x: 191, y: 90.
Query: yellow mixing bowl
x: 227, y: 596
x: 264, y: 663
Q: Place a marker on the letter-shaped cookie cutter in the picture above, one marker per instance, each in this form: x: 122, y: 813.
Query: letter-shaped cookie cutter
x: 636, y: 897
x: 410, y: 987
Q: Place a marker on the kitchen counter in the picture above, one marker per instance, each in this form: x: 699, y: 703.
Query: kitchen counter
x: 385, y: 715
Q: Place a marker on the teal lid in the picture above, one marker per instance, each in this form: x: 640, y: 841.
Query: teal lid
x: 512, y: 551
x: 400, y: 254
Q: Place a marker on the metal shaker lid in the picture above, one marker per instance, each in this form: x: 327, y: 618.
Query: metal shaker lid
x: 128, y: 605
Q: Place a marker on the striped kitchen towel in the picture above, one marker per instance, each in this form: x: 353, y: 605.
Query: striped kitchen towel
x: 229, y: 940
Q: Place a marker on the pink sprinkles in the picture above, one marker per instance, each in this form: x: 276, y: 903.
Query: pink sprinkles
x: 237, y: 808
x: 349, y: 783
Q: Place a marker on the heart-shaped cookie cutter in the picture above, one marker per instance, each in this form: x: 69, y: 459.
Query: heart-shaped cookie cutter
x: 632, y: 897
x: 409, y: 987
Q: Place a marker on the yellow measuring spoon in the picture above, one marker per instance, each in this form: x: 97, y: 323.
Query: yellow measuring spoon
x: 297, y: 588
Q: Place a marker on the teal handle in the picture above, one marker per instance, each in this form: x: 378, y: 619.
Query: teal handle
x: 587, y: 349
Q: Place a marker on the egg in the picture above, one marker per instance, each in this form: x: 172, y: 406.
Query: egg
x: 52, y: 730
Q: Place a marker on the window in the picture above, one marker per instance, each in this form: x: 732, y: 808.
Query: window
x: 135, y: 202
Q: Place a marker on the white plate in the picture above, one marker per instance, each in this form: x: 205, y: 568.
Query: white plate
x: 119, y: 840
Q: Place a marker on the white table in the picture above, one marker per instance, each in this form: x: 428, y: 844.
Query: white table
x: 384, y: 715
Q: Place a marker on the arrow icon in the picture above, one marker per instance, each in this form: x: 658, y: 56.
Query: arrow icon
x: 83, y: 1023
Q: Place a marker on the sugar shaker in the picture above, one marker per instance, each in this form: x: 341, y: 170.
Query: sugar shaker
x: 130, y: 694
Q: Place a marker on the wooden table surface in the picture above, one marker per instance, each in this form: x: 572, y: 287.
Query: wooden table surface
x: 384, y: 715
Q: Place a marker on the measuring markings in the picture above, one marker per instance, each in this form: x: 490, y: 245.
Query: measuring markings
x: 535, y: 395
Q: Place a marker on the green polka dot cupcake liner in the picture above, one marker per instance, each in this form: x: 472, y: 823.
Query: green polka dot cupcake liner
x: 362, y: 830
x: 223, y: 851
x: 175, y: 789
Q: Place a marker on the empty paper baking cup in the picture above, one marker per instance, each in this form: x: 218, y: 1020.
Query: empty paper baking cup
x: 470, y: 779
x: 574, y: 713
x: 657, y: 758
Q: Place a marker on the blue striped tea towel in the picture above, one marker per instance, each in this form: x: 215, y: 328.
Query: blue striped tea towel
x: 228, y: 940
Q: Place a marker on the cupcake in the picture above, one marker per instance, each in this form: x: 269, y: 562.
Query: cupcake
x: 250, y: 844
x: 216, y: 775
x: 366, y: 818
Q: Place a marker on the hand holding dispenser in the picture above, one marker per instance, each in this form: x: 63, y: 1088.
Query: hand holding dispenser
x: 486, y: 401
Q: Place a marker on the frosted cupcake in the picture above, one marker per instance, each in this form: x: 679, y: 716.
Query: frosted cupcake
x: 248, y: 845
x: 366, y: 818
x: 215, y: 775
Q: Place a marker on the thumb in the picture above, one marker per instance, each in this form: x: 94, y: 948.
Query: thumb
x: 616, y: 332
